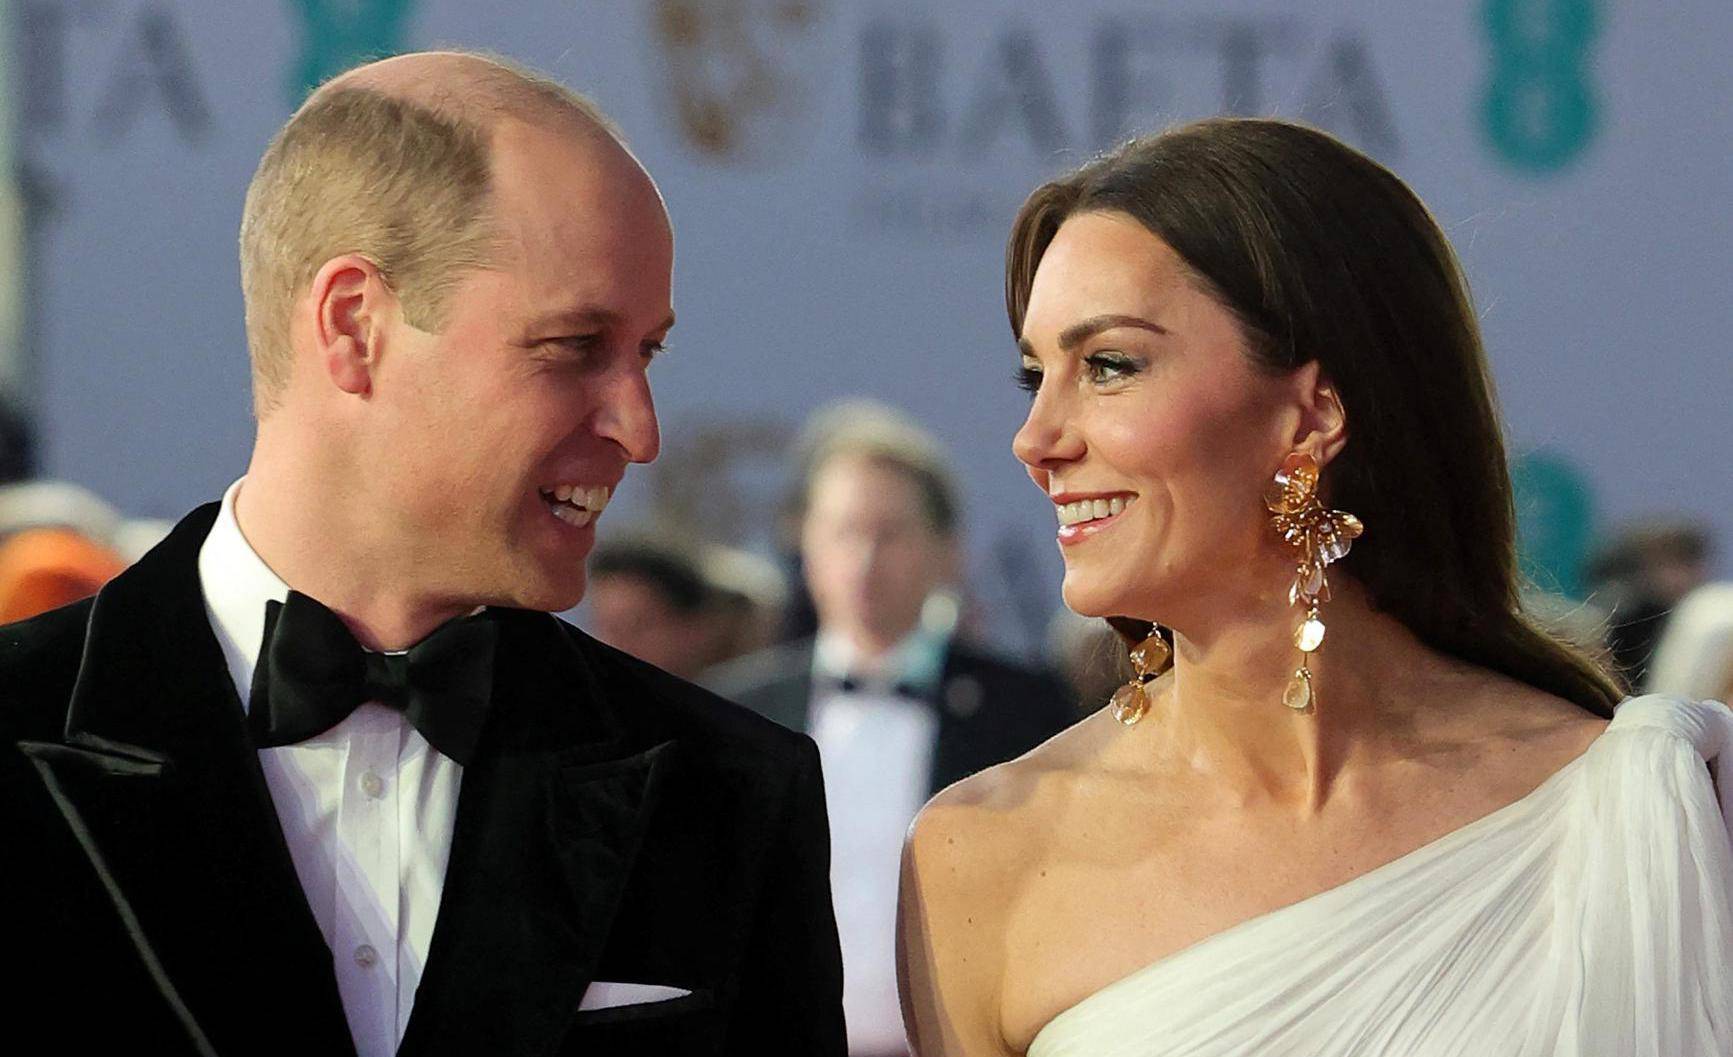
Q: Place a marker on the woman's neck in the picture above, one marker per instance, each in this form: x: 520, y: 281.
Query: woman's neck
x: 1221, y: 711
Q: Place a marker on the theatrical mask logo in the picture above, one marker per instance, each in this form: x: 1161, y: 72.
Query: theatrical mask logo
x: 740, y: 76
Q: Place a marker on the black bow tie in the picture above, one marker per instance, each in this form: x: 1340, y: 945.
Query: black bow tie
x: 851, y: 684
x: 312, y: 674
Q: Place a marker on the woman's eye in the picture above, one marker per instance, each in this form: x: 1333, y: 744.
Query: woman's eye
x: 1028, y: 379
x: 1104, y: 367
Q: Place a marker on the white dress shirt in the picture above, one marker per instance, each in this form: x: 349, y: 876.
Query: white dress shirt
x: 877, y: 751
x: 367, y: 809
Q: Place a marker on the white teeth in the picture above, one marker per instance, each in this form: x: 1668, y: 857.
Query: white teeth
x: 1092, y: 509
x: 572, y: 515
x: 590, y: 498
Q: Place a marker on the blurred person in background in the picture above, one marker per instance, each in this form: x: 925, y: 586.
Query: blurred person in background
x: 749, y: 595
x: 899, y: 706
x: 1091, y: 657
x: 59, y: 543
x: 1638, y: 576
x: 683, y: 607
x: 17, y: 449
x: 1694, y: 657
x: 322, y: 773
x: 56, y: 538
x: 648, y: 598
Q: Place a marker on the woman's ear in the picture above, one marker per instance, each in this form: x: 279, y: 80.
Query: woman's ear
x: 1323, y: 427
x: 347, y: 298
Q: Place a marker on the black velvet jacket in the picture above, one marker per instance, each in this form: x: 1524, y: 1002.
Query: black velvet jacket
x: 616, y: 824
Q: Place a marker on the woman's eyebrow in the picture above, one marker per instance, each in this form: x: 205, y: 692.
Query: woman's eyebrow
x: 1077, y: 333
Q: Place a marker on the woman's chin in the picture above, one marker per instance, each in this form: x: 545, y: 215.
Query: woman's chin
x: 1089, y: 600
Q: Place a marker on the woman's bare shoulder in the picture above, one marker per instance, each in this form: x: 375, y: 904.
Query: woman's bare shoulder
x: 996, y: 810
x: 1507, y: 735
x: 966, y: 857
x: 1521, y: 715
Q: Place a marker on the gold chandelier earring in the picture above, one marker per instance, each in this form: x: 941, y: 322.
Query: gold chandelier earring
x: 1318, y: 538
x: 1149, y: 659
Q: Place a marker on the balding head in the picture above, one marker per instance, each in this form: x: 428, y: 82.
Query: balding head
x: 392, y: 161
x: 477, y: 89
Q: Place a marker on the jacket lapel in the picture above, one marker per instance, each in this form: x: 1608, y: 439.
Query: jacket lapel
x: 964, y: 743
x: 549, y: 823
x: 788, y: 700
x: 158, y: 781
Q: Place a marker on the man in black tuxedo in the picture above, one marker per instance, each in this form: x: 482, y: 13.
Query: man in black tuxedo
x: 320, y: 775
x: 900, y: 706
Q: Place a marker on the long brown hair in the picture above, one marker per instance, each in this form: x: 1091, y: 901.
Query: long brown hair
x: 1323, y: 254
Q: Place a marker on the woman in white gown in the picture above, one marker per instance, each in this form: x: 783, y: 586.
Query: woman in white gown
x: 1416, y: 835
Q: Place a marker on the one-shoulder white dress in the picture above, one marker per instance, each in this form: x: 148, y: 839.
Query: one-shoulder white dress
x: 1591, y: 918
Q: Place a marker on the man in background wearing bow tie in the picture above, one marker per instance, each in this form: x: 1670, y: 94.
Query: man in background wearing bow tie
x: 900, y: 703
x: 321, y: 775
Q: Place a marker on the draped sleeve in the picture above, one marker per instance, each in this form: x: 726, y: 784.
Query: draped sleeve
x: 1643, y: 951
x: 1591, y: 918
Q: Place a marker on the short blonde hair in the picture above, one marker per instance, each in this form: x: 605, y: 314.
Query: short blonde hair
x: 404, y: 182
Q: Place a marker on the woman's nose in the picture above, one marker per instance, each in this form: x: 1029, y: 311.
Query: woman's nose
x: 1047, y: 437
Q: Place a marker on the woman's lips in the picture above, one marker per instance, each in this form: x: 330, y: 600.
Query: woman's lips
x: 1080, y: 519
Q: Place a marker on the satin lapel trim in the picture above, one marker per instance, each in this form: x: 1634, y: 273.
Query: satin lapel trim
x: 44, y: 756
x: 539, y: 865
x: 162, y: 789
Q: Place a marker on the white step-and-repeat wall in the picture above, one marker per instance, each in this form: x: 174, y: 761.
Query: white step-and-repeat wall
x: 841, y: 175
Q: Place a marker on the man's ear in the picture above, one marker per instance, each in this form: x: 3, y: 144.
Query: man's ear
x: 351, y: 301
x: 1323, y: 426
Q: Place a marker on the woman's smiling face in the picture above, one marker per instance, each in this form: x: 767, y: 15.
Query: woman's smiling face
x: 1148, y: 407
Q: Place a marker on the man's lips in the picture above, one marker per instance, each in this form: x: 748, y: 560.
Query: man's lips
x: 576, y: 504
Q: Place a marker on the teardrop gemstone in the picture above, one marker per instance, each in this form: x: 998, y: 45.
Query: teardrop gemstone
x: 1310, y: 635
x: 1129, y: 703
x: 1298, y: 695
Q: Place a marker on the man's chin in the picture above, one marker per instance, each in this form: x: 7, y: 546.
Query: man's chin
x: 550, y: 595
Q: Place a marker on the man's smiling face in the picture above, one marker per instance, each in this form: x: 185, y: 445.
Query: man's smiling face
x: 502, y: 436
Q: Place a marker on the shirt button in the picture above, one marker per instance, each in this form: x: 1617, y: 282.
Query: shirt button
x: 373, y: 785
x: 366, y: 957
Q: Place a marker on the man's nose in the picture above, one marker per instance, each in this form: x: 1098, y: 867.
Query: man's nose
x: 628, y: 417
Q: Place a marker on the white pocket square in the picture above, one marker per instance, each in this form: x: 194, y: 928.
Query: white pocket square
x: 604, y: 994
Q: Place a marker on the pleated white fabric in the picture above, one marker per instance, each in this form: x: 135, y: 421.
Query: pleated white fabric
x: 1591, y: 918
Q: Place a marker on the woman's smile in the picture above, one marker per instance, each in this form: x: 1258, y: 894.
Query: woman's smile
x: 1084, y: 516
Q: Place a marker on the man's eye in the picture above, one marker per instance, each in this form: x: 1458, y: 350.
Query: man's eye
x: 575, y: 342
x: 653, y: 349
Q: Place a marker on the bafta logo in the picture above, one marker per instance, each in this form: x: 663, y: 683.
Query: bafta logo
x: 741, y: 75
